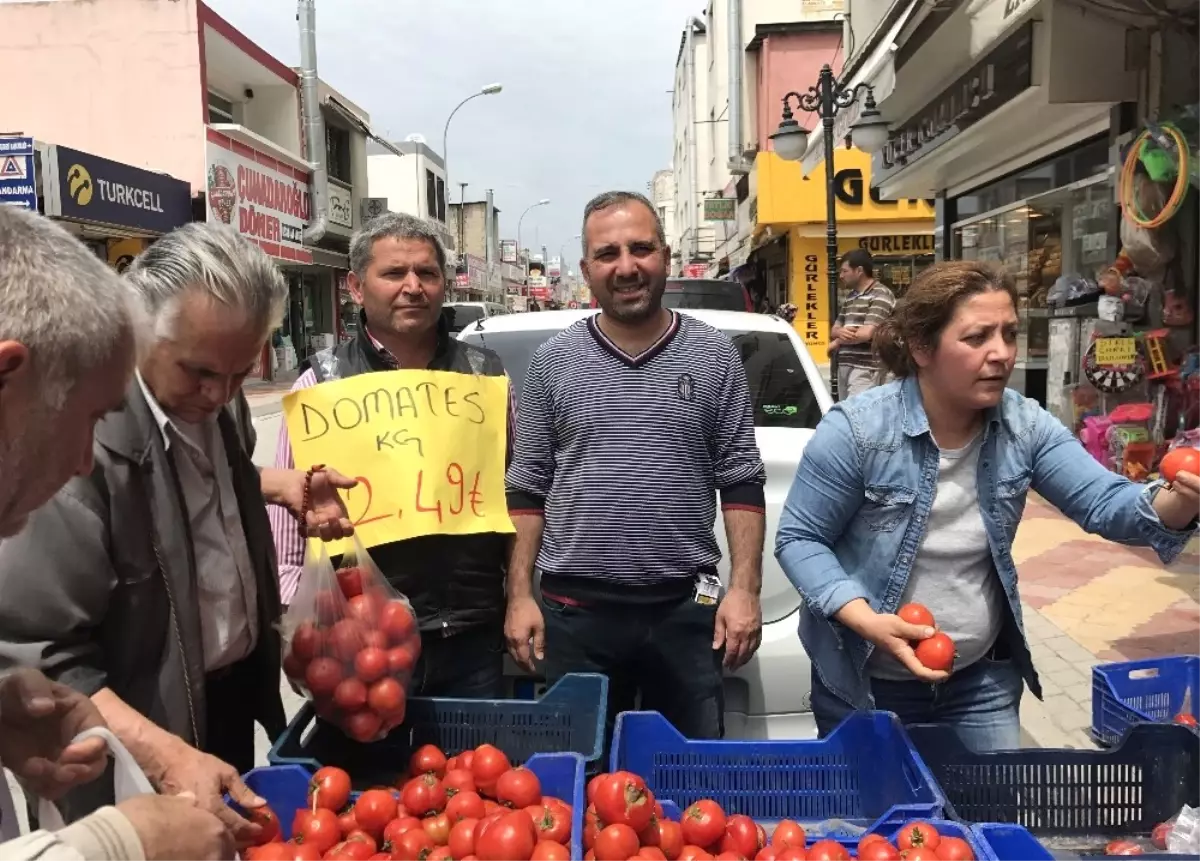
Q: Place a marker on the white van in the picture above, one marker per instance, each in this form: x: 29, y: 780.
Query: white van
x: 465, y: 313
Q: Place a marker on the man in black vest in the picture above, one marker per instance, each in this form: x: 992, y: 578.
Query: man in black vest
x: 455, y: 582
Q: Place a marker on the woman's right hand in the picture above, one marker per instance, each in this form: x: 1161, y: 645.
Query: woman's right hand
x: 892, y: 634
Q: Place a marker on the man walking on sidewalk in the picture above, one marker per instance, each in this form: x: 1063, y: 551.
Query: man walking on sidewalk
x: 869, y: 304
x: 630, y: 423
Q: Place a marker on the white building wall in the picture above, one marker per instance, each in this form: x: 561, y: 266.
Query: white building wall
x: 662, y: 189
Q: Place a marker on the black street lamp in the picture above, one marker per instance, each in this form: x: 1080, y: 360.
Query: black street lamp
x: 870, y: 133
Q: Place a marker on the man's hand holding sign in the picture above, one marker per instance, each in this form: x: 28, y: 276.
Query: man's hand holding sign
x: 426, y: 448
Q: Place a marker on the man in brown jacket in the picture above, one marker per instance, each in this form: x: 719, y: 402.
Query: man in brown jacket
x: 67, y: 343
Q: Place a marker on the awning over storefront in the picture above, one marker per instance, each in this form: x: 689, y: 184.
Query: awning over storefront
x: 879, y: 71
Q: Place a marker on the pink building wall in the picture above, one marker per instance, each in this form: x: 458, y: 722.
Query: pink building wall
x: 119, y: 78
x: 787, y: 62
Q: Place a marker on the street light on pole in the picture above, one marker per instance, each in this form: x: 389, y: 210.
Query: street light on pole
x: 542, y: 202
x: 870, y: 133
x: 486, y: 90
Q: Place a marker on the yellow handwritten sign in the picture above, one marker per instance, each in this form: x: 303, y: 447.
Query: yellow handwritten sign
x: 427, y: 448
x: 1116, y: 352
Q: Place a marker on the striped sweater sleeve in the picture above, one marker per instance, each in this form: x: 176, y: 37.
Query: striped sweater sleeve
x: 531, y: 472
x: 285, y: 529
x: 740, y: 474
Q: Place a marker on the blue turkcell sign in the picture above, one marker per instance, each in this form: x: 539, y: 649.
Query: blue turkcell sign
x: 18, y: 182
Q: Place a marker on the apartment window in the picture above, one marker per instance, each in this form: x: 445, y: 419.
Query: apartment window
x: 712, y: 135
x: 337, y: 152
x: 435, y: 196
x: 220, y: 109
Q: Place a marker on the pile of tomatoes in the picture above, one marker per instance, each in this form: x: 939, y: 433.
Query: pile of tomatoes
x: 470, y: 807
x: 936, y: 652
x: 354, y: 654
x: 624, y: 823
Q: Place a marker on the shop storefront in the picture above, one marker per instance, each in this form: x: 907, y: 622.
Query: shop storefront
x: 265, y: 197
x: 116, y: 209
x: 791, y: 222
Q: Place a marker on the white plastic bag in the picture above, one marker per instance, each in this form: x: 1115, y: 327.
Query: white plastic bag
x: 128, y: 781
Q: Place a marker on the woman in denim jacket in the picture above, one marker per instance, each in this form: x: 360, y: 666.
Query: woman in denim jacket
x: 913, y: 491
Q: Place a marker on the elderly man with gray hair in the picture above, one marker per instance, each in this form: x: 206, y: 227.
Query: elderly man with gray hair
x: 155, y: 591
x: 68, y: 330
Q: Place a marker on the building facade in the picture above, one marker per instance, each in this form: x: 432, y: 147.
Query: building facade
x: 413, y: 181
x: 662, y: 193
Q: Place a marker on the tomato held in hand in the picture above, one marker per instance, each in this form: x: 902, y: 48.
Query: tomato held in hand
x: 703, y: 823
x: 265, y: 818
x: 1181, y: 459
x: 329, y: 606
x: 346, y: 637
x: 307, y: 641
x: 350, y: 581
x: 937, y: 652
x: 329, y: 788
x: 396, y: 620
x: 518, y: 787
x: 401, y: 660
x: 363, y: 726
x: 322, y: 677
x: 374, y: 809
x: 916, y: 834
x: 350, y: 695
x: 916, y: 614
x: 386, y: 697
x: 954, y: 849
x: 371, y: 664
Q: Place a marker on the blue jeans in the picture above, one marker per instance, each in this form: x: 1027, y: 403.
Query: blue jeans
x: 980, y: 704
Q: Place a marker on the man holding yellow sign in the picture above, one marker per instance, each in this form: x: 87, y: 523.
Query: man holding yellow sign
x: 423, y: 423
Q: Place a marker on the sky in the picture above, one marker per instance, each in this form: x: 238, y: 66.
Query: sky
x: 586, y: 104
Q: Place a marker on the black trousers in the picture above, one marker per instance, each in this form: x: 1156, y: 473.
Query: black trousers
x: 230, y: 723
x: 467, y: 664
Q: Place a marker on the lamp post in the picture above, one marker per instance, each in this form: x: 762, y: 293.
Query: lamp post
x: 870, y: 133
x: 487, y: 90
x: 542, y: 202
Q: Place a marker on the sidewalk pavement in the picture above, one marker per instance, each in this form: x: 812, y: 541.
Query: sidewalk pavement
x: 1088, y: 601
x: 265, y: 397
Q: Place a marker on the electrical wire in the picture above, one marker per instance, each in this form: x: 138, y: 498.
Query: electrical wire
x: 1128, y: 196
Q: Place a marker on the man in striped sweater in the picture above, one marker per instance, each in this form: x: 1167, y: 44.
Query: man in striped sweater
x: 630, y: 424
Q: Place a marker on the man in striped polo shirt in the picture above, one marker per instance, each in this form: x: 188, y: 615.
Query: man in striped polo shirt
x: 629, y: 424
x: 869, y: 304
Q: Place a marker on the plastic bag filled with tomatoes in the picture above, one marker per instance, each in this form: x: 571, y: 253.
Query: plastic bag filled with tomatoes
x: 350, y: 643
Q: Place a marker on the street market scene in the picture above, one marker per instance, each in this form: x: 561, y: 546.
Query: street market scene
x: 777, y: 438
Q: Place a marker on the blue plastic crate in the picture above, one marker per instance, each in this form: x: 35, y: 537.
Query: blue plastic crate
x: 568, y: 718
x: 1075, y: 800
x: 1009, y: 843
x: 1151, y: 690
x: 866, y: 773
x: 285, y: 788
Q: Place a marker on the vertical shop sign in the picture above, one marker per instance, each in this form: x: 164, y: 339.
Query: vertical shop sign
x: 810, y: 283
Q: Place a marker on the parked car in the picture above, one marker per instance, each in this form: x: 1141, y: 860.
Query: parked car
x: 462, y: 314
x: 705, y: 294
x: 769, y: 697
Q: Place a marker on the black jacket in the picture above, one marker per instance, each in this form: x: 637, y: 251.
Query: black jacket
x: 453, y: 581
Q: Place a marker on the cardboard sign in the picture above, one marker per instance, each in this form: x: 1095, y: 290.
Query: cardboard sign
x: 1116, y: 352
x: 427, y: 448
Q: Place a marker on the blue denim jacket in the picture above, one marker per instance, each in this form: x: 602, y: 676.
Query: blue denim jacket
x: 856, y: 512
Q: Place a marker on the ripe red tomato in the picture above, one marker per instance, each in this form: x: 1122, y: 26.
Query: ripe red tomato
x: 349, y: 851
x: 650, y: 853
x: 696, y: 853
x: 550, y: 850
x: 303, y: 851
x: 386, y: 696
x: 789, y: 833
x: 396, y: 620
x: 363, y: 726
x: 877, y: 850
x: 374, y: 809
x: 916, y: 614
x: 458, y: 780
x: 346, y: 638
x: 552, y: 821
x: 954, y: 849
x: 623, y: 799
x: 350, y: 580
x: 426, y: 759
x: 741, y: 836
x: 318, y: 828
x: 424, y: 795
x: 1185, y: 719
x: 276, y: 851
x: 346, y: 821
x: 401, y: 660
x: 1181, y: 459
x: 307, y: 641
x: 767, y: 853
x: 1159, y: 835
x: 670, y: 837
x: 265, y: 818
x: 518, y: 787
x: 616, y: 843
x: 920, y: 853
x: 937, y: 652
x: 329, y: 788
x: 791, y: 853
x: 293, y: 667
x: 364, y: 609
x: 703, y: 823
x: 440, y: 853
x: 827, y: 850
x: 511, y: 836
x: 916, y: 834
x: 322, y: 676
x: 465, y: 805
x: 370, y: 664
x: 375, y: 639
x: 328, y: 606
x: 462, y: 838
x: 729, y: 855
x: 412, y: 845
x: 360, y: 836
x: 398, y: 826
x: 488, y: 763
x: 1123, y: 847
x: 438, y: 829
x: 350, y: 695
